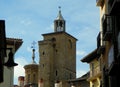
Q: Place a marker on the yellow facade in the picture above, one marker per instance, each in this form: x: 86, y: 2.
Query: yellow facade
x: 31, y: 74
x: 95, y: 73
x: 95, y: 70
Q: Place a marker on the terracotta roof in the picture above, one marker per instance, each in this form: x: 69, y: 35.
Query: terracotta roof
x: 59, y: 33
x: 82, y: 78
x: 15, y: 42
x: 18, y: 39
x: 90, y: 56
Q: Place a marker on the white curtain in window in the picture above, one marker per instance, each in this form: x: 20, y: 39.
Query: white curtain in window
x: 111, y: 56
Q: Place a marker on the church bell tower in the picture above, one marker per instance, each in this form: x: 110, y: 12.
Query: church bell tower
x: 57, y: 52
x: 59, y: 22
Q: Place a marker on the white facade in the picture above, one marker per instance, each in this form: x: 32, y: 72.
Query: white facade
x: 8, y: 72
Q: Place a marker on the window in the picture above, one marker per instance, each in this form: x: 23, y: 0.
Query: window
x: 70, y: 43
x: 111, y: 56
x: 43, y: 53
x: 92, y: 69
x: 61, y: 24
x: 34, y: 78
x: 70, y: 76
x: 28, y: 78
x: 56, y: 73
x: 54, y: 42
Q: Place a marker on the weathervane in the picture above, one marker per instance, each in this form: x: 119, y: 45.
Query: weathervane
x: 33, y: 50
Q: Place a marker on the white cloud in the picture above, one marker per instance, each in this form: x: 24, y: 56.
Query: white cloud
x: 50, y: 28
x: 80, y: 73
x: 26, y: 22
x: 29, y: 49
x: 19, y: 70
x: 81, y: 53
x: 21, y: 61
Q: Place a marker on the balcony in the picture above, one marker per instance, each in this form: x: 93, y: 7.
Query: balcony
x: 99, y: 2
x: 107, y: 25
x: 114, y: 6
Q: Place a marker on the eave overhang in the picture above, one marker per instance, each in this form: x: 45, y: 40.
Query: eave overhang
x: 90, y: 56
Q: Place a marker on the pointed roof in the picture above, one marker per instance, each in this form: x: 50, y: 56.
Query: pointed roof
x: 59, y: 17
x: 14, y: 41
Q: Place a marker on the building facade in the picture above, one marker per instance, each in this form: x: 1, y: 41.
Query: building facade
x: 8, y: 74
x: 57, y: 55
x: 95, y: 71
x: 31, y: 73
x: 8, y: 47
x: 81, y: 81
x: 21, y: 80
x: 109, y: 42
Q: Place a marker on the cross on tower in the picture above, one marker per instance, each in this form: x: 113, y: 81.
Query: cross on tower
x: 33, y: 44
x: 59, y: 7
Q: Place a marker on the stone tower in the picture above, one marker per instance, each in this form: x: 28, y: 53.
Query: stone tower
x: 57, y: 55
x: 31, y: 72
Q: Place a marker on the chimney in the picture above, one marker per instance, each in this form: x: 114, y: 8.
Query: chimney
x: 21, y: 81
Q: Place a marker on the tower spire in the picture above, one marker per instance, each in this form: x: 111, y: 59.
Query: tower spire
x: 59, y: 22
x: 33, y: 52
x: 60, y: 17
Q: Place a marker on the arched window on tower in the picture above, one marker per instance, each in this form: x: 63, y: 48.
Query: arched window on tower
x: 70, y: 76
x: 56, y: 72
x: 70, y: 43
x: 28, y: 78
x: 34, y: 78
x: 60, y: 24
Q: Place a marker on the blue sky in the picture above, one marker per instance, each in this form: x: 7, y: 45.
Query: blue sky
x: 28, y: 19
